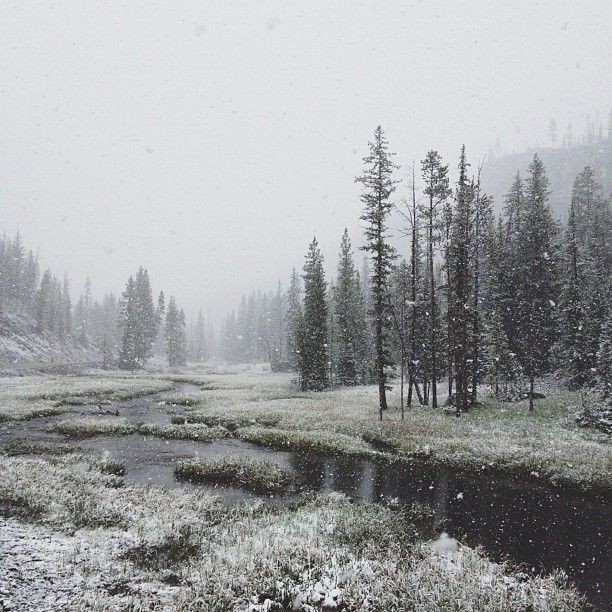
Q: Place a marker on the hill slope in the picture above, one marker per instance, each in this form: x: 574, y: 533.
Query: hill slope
x: 22, y: 344
x: 562, y: 166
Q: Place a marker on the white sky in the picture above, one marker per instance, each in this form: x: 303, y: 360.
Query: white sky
x: 210, y: 140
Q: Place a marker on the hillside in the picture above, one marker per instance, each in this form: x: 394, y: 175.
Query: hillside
x: 562, y: 166
x: 22, y: 345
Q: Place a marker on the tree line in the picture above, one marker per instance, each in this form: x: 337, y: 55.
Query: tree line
x: 125, y: 331
x: 482, y: 300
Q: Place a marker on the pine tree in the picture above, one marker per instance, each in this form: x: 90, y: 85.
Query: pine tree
x: 604, y: 362
x: 461, y: 307
x: 400, y: 305
x: 294, y: 321
x: 593, y: 236
x: 435, y: 176
x: 66, y: 311
x: 573, y: 342
x: 199, y: 349
x: 107, y: 353
x: 348, y: 317
x: 500, y: 365
x: 146, y: 317
x: 175, y: 335
x: 537, y: 282
x: 128, y: 354
x: 481, y: 229
x: 43, y: 302
x: 313, y: 332
x: 378, y: 186
x: 278, y: 332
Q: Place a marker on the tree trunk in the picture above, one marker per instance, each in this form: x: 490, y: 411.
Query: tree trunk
x: 402, y: 385
x: 531, y: 393
x: 432, y: 305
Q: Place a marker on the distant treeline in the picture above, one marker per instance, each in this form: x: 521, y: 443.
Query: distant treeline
x: 125, y: 331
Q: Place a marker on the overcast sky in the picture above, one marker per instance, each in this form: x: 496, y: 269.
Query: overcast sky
x: 209, y: 140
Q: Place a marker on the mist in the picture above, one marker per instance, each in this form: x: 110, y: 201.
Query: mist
x: 210, y: 141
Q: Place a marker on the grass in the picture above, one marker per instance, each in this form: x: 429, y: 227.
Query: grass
x: 324, y: 549
x: 91, y: 426
x: 23, y: 447
x: 543, y: 446
x: 250, y: 474
x: 189, y: 400
x: 500, y: 438
x: 230, y: 423
x: 28, y: 397
x: 201, y: 433
x: 118, y: 426
x: 310, y: 441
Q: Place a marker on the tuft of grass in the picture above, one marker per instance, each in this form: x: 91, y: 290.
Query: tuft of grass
x: 23, y: 447
x: 184, y: 400
x: 118, y: 426
x: 91, y: 426
x: 259, y: 476
x: 231, y: 423
x: 201, y: 433
x: 310, y: 441
x: 172, y: 550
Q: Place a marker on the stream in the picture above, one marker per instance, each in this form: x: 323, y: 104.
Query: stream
x: 537, y: 527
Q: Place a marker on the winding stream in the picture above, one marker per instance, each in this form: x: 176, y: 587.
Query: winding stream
x: 539, y: 528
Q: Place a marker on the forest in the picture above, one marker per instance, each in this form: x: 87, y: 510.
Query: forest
x: 485, y: 300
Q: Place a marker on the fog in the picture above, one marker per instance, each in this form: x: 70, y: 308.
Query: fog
x: 209, y: 141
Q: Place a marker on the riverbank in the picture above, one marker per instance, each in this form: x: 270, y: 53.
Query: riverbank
x: 544, y: 446
x: 147, y: 548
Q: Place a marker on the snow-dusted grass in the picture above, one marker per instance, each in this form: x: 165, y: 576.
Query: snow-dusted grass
x: 315, y: 441
x: 323, y: 552
x: 119, y: 426
x: 333, y: 555
x: 93, y: 426
x: 545, y: 445
x: 25, y: 447
x: 202, y: 433
x: 230, y: 423
x: 26, y: 397
x: 259, y: 476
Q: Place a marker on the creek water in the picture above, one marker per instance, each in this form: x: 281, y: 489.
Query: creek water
x: 541, y: 529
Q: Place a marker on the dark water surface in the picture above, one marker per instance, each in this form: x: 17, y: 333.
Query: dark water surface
x: 540, y: 528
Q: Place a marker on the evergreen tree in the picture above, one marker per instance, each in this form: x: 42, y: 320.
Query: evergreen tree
x: 66, y: 311
x: 146, y: 316
x: 313, y: 333
x: 500, y: 365
x: 593, y: 237
x: 294, y: 321
x: 461, y: 307
x: 107, y: 354
x: 435, y: 176
x: 400, y: 305
x: 573, y: 343
x: 378, y: 186
x: 537, y: 282
x: 199, y: 349
x: 128, y: 322
x: 348, y: 317
x: 175, y: 335
x: 278, y: 331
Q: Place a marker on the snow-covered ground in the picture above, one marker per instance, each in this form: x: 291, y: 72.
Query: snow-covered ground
x: 22, y: 347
